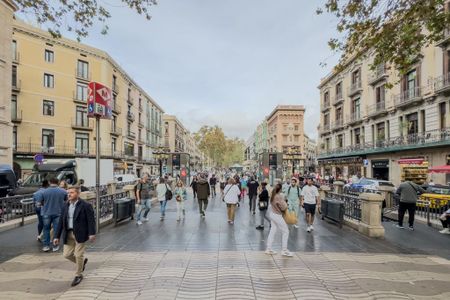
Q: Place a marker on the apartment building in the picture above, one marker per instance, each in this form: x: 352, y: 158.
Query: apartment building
x: 393, y: 133
x: 285, y: 126
x: 196, y: 160
x: 261, y: 138
x: 49, y: 105
x: 7, y: 9
x: 310, y: 149
x: 174, y: 134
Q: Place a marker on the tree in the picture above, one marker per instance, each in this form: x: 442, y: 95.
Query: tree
x: 83, y: 13
x: 395, y: 30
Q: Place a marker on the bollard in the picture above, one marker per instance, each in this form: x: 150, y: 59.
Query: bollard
x: 370, y: 224
x: 339, y: 187
x: 323, y: 190
x: 388, y: 195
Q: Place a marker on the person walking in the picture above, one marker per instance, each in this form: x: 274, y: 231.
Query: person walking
x: 53, y: 198
x: 408, y: 192
x: 277, y: 207
x: 194, y: 186
x: 212, y: 183
x: 38, y: 202
x: 143, y: 199
x: 77, y: 226
x: 162, y: 190
x: 231, y: 198
x: 203, y: 192
x: 252, y: 193
x: 310, y: 200
x: 180, y: 197
x: 293, y: 195
x: 263, y: 205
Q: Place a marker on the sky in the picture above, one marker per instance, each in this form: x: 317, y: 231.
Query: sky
x: 226, y: 63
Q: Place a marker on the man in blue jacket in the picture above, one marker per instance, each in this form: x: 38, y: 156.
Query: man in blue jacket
x: 37, y: 199
x: 77, y: 226
x: 53, y: 199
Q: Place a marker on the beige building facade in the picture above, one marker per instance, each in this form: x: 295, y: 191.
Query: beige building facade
x: 7, y: 9
x: 49, y: 105
x: 310, y: 150
x: 285, y: 126
x: 174, y: 134
x: 393, y: 133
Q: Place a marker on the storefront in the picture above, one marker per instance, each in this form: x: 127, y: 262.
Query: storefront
x: 380, y: 169
x: 343, y: 168
x: 414, y: 169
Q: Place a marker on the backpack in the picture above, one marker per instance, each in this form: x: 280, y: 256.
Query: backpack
x: 298, y: 190
x: 168, y: 195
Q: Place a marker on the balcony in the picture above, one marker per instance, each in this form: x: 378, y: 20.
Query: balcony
x: 338, y: 99
x: 85, y: 76
x: 130, y: 116
x: 445, y: 38
x: 16, y: 57
x: 354, y: 118
x: 83, y: 124
x: 408, y: 97
x: 130, y: 100
x: 16, y: 116
x: 115, y: 88
x: 141, y: 140
x: 355, y: 88
x: 324, y: 129
x: 116, y: 108
x: 377, y: 75
x: 116, y: 131
x: 141, y: 108
x: 140, y: 124
x: 15, y: 85
x: 428, y: 139
x: 326, y: 106
x: 442, y: 84
x: 377, y: 109
x: 78, y: 98
x: 337, y: 125
x: 131, y: 135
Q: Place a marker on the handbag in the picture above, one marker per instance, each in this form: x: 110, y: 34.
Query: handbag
x: 168, y: 195
x: 262, y: 205
x: 290, y: 217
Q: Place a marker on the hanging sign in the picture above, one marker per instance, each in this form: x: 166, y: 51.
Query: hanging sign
x: 99, y: 101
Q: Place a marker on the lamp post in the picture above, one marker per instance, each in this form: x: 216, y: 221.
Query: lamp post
x: 161, y: 155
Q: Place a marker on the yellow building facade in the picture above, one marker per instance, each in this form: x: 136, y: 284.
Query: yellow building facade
x: 49, y: 105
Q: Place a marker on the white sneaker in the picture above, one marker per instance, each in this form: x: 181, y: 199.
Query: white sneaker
x: 270, y: 252
x: 45, y: 249
x: 287, y: 253
x: 295, y: 226
x: 311, y: 227
x: 55, y: 249
x: 308, y: 229
x: 445, y: 231
x: 139, y: 222
x: 146, y: 219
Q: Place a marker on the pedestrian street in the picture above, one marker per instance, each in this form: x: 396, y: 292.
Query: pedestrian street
x: 210, y: 259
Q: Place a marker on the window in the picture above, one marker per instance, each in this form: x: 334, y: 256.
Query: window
x: 339, y: 115
x: 379, y: 94
x: 82, y: 143
x: 129, y: 149
x: 340, y: 141
x: 49, y: 80
x: 380, y: 131
x: 326, y: 120
x: 14, y: 138
x: 82, y: 92
x: 356, y: 109
x: 81, y: 116
x: 356, y: 77
x: 114, y: 123
x: 83, y: 69
x: 14, y: 50
x: 113, y: 145
x: 326, y: 99
x: 114, y: 83
x: 357, y: 136
x: 13, y: 107
x: 339, y: 90
x: 49, y: 56
x: 48, y: 139
x: 412, y: 123
x: 48, y: 108
x: 442, y: 115
x: 14, y: 76
x: 411, y: 81
x: 128, y: 128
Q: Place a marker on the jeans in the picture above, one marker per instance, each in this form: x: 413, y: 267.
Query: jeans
x: 411, y: 207
x: 180, y: 209
x: 263, y: 215
x: 202, y: 205
x: 49, y: 221
x: 40, y: 220
x: 213, y: 190
x: 277, y: 222
x: 162, y: 208
x: 230, y: 211
x: 252, y: 199
x: 144, y: 206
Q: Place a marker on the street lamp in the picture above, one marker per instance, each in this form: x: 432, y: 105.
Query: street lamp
x: 161, y: 155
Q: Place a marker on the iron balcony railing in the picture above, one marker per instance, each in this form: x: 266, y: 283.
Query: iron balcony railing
x: 376, y: 108
x: 326, y: 105
x: 354, y: 88
x: 116, y: 130
x: 130, y: 116
x: 408, y: 96
x: 82, y: 74
x: 131, y: 135
x: 442, y: 82
x: 16, y: 57
x: 16, y: 85
x: 410, y: 141
x: 79, y: 98
x: 85, y: 124
x: 338, y: 124
x: 16, y: 116
x: 338, y: 98
x: 354, y: 117
x: 116, y: 107
x: 378, y: 74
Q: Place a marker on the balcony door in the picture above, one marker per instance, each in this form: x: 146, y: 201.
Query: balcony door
x: 48, y: 140
x: 81, y: 116
x: 356, y: 108
x: 13, y: 107
x: 413, y: 123
x: 82, y: 143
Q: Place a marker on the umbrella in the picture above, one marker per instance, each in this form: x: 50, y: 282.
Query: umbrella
x: 440, y: 169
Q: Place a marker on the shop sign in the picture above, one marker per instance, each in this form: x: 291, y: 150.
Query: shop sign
x: 380, y: 164
x: 411, y: 161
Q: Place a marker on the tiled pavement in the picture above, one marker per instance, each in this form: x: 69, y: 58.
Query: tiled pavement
x: 210, y: 259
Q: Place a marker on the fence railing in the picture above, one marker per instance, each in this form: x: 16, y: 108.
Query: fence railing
x: 107, y: 203
x: 352, y: 204
x: 428, y: 209
x: 12, y: 208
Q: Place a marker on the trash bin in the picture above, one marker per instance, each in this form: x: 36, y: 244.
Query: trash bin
x: 123, y: 209
x: 333, y: 209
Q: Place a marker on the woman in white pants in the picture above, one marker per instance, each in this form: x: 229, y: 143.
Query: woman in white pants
x: 278, y: 205
x: 180, y: 196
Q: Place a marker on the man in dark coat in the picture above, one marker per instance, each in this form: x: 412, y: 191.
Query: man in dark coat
x: 203, y: 192
x: 77, y: 226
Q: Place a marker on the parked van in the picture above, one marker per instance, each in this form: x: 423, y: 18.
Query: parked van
x: 8, y: 180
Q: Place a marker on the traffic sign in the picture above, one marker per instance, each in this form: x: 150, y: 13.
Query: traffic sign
x: 99, y: 101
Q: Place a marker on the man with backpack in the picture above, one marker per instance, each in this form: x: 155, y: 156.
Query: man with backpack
x: 293, y: 194
x: 408, y: 192
x: 142, y: 192
x: 203, y: 192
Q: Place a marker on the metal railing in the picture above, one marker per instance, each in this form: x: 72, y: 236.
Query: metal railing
x: 377, y: 74
x: 376, y: 108
x: 408, y: 96
x: 352, y: 204
x: 442, y: 82
x: 16, y: 115
x: 354, y: 87
x: 12, y: 208
x: 354, y: 117
x: 339, y: 97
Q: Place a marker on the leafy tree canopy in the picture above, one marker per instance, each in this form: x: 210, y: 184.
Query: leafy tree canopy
x: 76, y: 15
x: 395, y: 30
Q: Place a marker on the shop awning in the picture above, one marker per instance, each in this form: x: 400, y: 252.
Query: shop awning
x: 440, y: 169
x: 411, y: 161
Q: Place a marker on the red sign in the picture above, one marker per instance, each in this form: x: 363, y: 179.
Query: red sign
x: 411, y: 161
x: 183, y: 173
x: 266, y: 171
x: 99, y: 101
